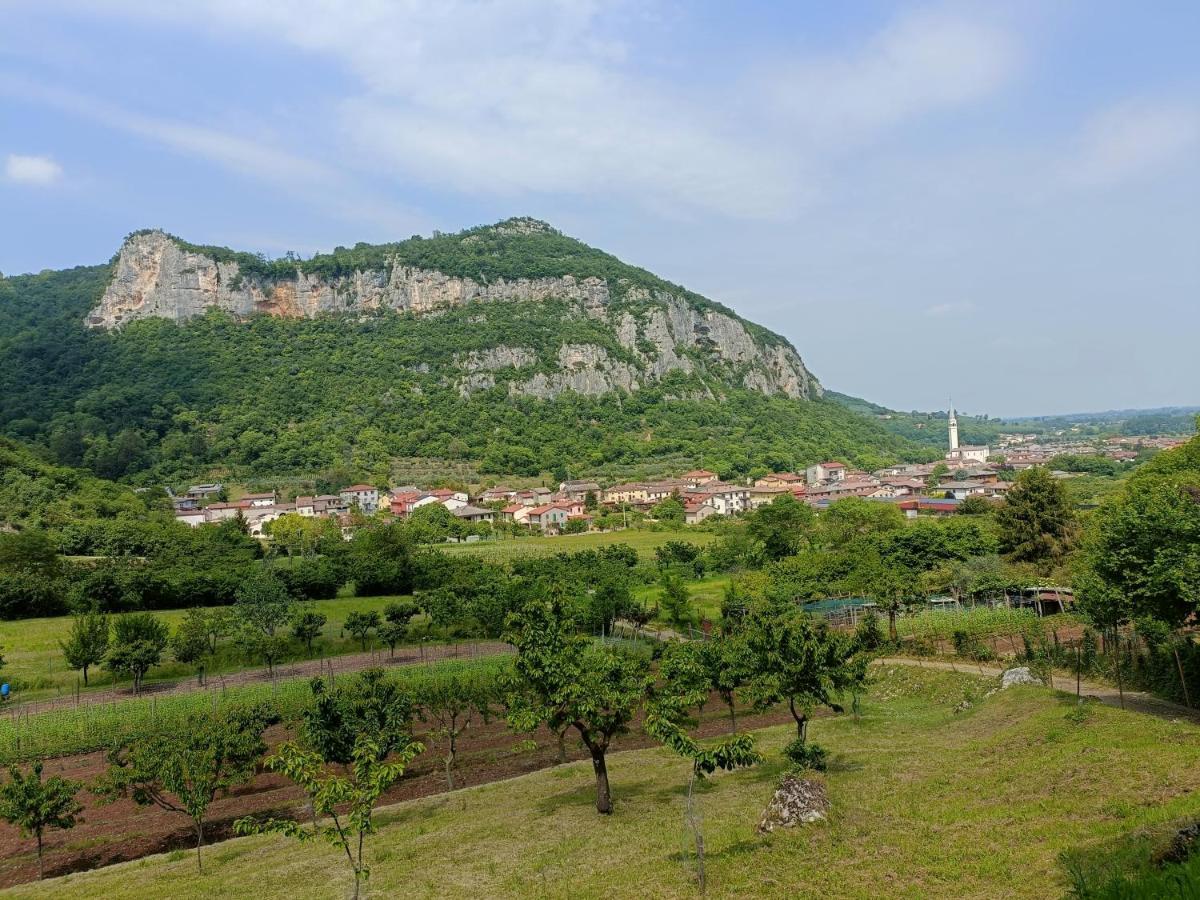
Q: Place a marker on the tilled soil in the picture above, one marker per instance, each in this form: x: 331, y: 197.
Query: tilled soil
x: 121, y: 831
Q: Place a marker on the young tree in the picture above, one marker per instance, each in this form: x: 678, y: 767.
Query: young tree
x: 306, y: 627
x: 87, y: 643
x: 220, y: 623
x: 183, y: 769
x: 451, y: 702
x: 392, y: 633
x: 797, y: 659
x: 347, y: 800
x: 138, y: 641
x: 263, y: 607
x: 563, y: 678
x: 34, y: 805
x: 400, y: 611
x: 782, y: 526
x: 1036, y: 521
x: 370, y: 704
x: 360, y: 624
x: 675, y: 601
x: 189, y: 643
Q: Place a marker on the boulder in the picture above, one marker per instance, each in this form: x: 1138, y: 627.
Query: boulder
x: 797, y: 801
x: 1020, y: 675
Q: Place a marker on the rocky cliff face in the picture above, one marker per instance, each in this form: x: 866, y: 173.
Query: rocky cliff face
x: 661, y: 332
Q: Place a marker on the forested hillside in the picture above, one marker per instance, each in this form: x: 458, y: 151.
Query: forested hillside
x: 267, y: 394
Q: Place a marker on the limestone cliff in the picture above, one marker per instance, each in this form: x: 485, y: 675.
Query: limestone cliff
x: 655, y: 329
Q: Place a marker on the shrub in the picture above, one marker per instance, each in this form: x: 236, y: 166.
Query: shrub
x: 804, y: 755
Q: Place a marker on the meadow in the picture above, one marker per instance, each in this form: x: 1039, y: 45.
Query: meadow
x: 1007, y: 797
x: 643, y: 541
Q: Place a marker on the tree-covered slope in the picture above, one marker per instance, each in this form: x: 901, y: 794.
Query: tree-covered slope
x: 515, y: 387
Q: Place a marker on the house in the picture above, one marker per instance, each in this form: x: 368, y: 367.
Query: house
x: 267, y: 499
x: 960, y: 490
x: 633, y: 492
x: 183, y: 504
x: 914, y: 507
x: 516, y: 512
x: 533, y: 496
x: 473, y: 514
x: 203, y: 491
x: 697, y: 477
x: 578, y: 490
x: 403, y: 504
x: 697, y: 511
x: 657, y: 491
x: 762, y: 494
x: 780, y: 479
x: 824, y: 472
x: 190, y: 517
x: 219, y: 512
x: 550, y: 517
x: 497, y: 494
x: 995, y: 488
x: 364, y: 496
x: 833, y: 491
x: 727, y: 499
x: 888, y: 492
x: 452, y: 500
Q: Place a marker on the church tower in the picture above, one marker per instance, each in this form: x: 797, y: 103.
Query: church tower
x: 953, y: 428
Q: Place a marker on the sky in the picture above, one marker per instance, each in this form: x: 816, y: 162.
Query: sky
x: 999, y: 202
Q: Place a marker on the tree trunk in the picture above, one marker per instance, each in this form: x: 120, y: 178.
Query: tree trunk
x: 732, y: 716
x: 85, y: 668
x: 562, y: 747
x: 41, y: 865
x: 892, y: 625
x: 450, y: 762
x: 199, y: 844
x: 801, y: 721
x: 603, y: 795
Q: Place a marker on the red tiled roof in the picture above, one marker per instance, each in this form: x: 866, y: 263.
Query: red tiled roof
x: 358, y: 487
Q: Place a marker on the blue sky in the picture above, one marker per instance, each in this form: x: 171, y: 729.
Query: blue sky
x: 999, y: 201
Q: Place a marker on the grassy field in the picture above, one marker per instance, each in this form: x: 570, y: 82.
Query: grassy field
x: 35, y: 667
x: 644, y: 542
x: 706, y: 595
x: 1002, y: 800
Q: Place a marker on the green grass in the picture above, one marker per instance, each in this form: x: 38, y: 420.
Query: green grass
x: 980, y: 622
x: 92, y: 727
x: 706, y: 595
x: 643, y: 541
x: 996, y: 801
x: 35, y: 667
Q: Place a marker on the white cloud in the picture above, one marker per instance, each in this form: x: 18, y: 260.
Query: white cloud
x: 1134, y: 139
x: 36, y: 170
x: 523, y: 96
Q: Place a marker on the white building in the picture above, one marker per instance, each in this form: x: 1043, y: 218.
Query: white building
x: 366, y: 496
x: 966, y: 453
x: 823, y: 472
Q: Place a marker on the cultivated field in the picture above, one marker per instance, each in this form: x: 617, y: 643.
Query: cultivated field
x: 1002, y: 799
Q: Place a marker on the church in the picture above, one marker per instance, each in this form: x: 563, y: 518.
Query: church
x: 965, y: 453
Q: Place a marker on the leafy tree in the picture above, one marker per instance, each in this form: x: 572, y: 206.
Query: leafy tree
x: 400, y: 611
x: 87, y: 642
x: 451, y: 702
x: 263, y: 608
x: 797, y: 659
x: 183, y: 769
x: 392, y: 633
x: 1036, y: 520
x: 669, y: 510
x: 563, y: 679
x: 782, y: 526
x: 361, y: 624
x: 675, y: 601
x: 1142, y: 552
x: 893, y: 587
x: 34, y: 805
x: 306, y: 627
x: 371, y: 704
x: 190, y: 644
x: 934, y: 478
x: 347, y: 800
x: 854, y: 517
x: 138, y: 641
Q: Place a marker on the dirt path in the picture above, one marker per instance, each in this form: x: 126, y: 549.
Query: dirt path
x: 308, y: 668
x: 1134, y: 701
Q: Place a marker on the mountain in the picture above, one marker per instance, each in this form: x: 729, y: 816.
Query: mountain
x: 510, y: 349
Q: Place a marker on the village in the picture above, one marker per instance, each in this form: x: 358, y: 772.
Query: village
x: 933, y: 488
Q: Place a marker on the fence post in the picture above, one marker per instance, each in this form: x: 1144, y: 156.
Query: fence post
x: 1182, y: 681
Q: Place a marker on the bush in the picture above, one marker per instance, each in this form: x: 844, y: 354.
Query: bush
x: 803, y: 755
x: 869, y: 633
